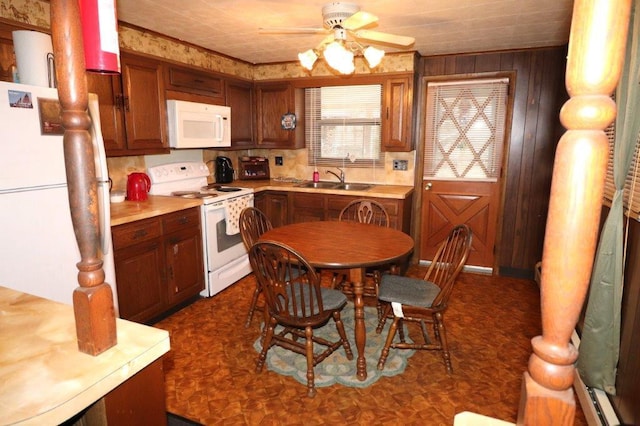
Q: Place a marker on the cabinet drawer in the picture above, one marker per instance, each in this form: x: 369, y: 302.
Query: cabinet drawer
x: 135, y: 232
x: 193, y: 81
x: 181, y: 220
x: 314, y: 201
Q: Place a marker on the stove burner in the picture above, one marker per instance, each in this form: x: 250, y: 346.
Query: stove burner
x: 228, y: 189
x: 219, y: 188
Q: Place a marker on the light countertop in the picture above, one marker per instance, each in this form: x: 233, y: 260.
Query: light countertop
x: 44, y: 378
x: 130, y: 211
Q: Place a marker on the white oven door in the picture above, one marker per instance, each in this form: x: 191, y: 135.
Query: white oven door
x: 227, y: 259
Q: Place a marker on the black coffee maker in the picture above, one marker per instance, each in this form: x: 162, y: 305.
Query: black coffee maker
x: 224, y: 170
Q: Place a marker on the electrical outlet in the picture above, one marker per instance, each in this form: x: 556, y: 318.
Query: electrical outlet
x: 279, y: 161
x: 400, y: 164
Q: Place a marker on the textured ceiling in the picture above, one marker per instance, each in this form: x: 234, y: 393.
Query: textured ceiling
x: 439, y: 26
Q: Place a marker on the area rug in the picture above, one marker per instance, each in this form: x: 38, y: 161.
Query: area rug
x: 337, y: 368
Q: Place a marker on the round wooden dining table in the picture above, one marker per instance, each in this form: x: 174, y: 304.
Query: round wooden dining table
x: 346, y: 245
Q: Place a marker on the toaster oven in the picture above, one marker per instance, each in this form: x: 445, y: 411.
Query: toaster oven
x: 253, y: 168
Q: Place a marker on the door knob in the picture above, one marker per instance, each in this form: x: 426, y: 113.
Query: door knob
x: 428, y: 186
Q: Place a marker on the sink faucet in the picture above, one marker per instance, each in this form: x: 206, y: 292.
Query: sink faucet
x: 341, y: 177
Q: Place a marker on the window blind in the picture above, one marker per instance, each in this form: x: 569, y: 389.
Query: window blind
x: 464, y: 129
x: 343, y: 125
x: 631, y: 193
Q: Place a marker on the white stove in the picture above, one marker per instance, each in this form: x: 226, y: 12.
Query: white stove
x: 226, y: 259
x: 189, y: 180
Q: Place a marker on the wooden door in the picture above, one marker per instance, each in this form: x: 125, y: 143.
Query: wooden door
x: 464, y: 127
x: 239, y: 96
x: 448, y: 203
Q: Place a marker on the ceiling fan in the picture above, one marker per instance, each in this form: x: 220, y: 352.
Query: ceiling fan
x: 347, y: 26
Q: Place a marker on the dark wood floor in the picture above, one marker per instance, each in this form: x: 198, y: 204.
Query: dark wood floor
x: 210, y: 374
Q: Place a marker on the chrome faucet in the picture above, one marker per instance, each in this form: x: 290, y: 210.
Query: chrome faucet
x: 341, y: 177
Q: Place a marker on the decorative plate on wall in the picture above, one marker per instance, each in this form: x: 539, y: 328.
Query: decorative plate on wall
x: 288, y: 121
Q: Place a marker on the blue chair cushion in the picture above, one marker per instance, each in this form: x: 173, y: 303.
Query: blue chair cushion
x: 407, y: 291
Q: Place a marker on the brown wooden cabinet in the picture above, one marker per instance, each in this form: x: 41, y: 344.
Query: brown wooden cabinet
x: 208, y: 85
x: 275, y: 205
x: 397, y: 114
x: 273, y: 100
x: 183, y: 254
x: 158, y: 263
x: 132, y: 107
x: 308, y: 207
x: 240, y: 97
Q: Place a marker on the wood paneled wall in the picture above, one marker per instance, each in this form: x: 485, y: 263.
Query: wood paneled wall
x: 535, y: 131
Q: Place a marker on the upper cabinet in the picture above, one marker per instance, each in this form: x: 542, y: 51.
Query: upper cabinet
x: 132, y: 107
x: 189, y: 84
x: 397, y: 114
x: 273, y: 101
x: 240, y: 97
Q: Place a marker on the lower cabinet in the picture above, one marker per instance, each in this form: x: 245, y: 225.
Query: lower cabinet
x: 275, y: 205
x: 158, y: 263
x: 308, y: 207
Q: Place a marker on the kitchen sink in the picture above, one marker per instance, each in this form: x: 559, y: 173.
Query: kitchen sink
x: 336, y: 185
x: 353, y: 186
x: 323, y: 185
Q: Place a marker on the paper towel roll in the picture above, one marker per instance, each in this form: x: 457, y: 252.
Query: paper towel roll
x: 32, y: 48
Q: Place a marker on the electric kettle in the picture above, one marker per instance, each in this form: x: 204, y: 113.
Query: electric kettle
x: 138, y: 184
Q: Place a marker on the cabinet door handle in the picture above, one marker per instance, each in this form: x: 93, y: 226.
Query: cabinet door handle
x: 183, y: 220
x: 140, y: 233
x: 119, y: 101
x: 428, y: 186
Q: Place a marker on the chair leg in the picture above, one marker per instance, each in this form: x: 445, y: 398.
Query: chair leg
x: 343, y: 335
x: 442, y: 337
x: 252, y: 307
x: 266, y: 344
x: 386, y: 310
x: 311, y: 390
x: 385, y: 351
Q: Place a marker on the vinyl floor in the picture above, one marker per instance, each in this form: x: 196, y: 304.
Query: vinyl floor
x: 211, y: 378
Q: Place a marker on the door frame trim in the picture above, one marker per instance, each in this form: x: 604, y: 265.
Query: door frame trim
x: 416, y: 224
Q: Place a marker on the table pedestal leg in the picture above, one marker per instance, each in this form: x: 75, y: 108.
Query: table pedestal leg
x: 356, y: 277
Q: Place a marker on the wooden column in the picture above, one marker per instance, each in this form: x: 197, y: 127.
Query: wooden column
x: 93, y: 300
x: 596, y: 53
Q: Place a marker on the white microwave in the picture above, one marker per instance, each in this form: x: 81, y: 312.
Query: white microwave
x: 196, y: 125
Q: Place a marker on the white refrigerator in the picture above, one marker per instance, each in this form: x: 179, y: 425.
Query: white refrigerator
x: 38, y: 249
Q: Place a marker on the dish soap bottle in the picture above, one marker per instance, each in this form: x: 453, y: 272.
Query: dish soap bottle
x: 316, y: 175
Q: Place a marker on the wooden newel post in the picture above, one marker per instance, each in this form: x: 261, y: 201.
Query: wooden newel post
x: 596, y: 53
x: 93, y: 300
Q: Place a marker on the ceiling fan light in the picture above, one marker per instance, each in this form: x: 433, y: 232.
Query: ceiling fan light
x: 339, y: 58
x: 373, y: 56
x: 307, y: 59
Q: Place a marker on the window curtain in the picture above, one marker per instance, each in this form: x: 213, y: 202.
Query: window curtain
x: 600, y: 339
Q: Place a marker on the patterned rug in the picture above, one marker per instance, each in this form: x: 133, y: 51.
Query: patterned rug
x: 337, y: 368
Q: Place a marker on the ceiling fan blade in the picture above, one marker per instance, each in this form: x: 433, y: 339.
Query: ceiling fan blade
x: 359, y: 20
x: 384, y: 37
x: 291, y: 30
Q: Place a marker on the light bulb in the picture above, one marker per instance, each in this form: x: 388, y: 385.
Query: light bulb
x: 307, y: 59
x: 339, y: 58
x: 373, y: 56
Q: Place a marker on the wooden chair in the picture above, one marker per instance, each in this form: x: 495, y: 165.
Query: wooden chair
x: 296, y: 301
x: 253, y: 223
x: 363, y: 211
x: 424, y: 300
